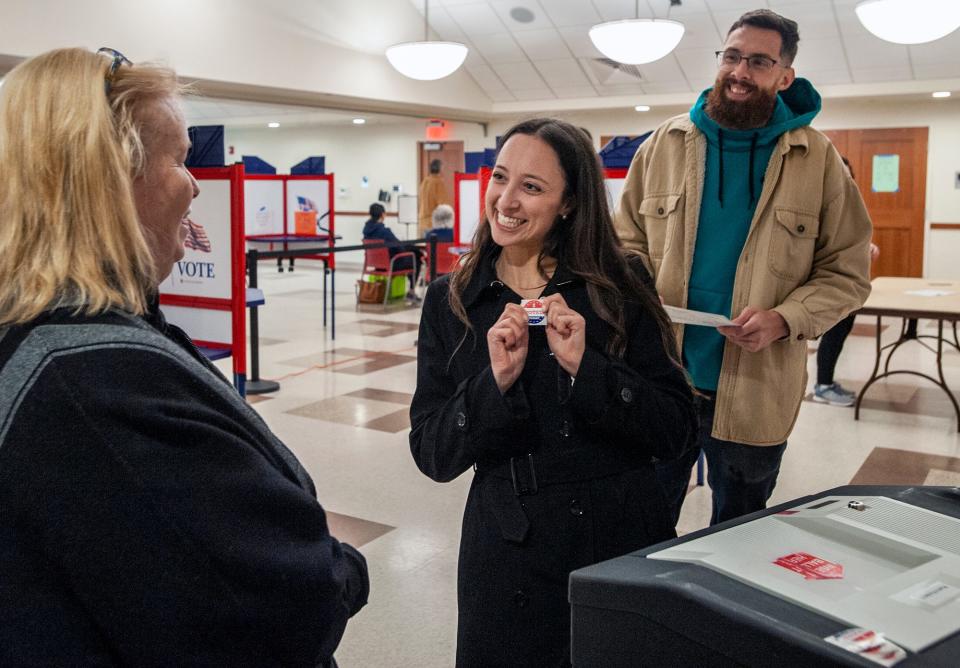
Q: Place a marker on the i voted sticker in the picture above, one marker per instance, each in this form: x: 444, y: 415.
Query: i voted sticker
x: 536, y: 316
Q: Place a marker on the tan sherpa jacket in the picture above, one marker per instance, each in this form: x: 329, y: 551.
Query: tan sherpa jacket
x: 806, y: 256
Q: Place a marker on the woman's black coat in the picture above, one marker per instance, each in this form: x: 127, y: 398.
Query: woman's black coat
x: 564, y: 471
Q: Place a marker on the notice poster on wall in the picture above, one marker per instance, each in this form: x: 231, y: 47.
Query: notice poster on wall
x: 886, y: 174
x: 204, y: 270
x: 263, y: 206
x: 308, y: 196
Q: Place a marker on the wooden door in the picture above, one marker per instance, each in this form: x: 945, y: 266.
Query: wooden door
x: 450, y: 153
x: 896, y: 204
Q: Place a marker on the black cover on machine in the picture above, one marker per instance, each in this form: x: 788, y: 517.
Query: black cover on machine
x: 206, y: 148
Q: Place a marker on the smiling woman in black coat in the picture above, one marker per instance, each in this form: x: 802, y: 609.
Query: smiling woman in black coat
x: 560, y: 423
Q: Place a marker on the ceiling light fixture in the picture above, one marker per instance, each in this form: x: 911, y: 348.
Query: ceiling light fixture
x: 909, y: 21
x: 642, y: 107
x: 427, y: 60
x: 637, y: 41
x: 942, y: 93
x: 359, y: 121
x: 273, y: 125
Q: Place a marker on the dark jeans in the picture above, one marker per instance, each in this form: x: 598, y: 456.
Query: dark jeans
x: 405, y: 263
x: 831, y: 344
x: 742, y: 477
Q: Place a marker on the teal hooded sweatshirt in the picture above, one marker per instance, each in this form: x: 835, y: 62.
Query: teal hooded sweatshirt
x: 736, y: 163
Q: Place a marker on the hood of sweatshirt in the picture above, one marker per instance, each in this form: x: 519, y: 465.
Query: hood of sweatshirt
x: 795, y: 107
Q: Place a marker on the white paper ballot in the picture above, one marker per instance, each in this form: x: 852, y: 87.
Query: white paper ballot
x: 684, y: 316
x: 929, y: 293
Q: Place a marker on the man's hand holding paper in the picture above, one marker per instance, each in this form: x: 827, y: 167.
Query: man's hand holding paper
x: 755, y: 329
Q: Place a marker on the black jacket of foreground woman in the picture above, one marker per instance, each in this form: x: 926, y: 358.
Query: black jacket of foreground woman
x: 564, y: 473
x: 148, y: 516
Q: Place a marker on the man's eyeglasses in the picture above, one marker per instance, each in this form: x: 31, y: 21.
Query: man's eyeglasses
x: 757, y: 62
x: 118, y: 60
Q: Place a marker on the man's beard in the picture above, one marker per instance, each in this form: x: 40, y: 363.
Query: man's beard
x: 753, y: 112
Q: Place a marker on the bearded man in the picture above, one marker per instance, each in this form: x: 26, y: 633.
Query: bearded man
x: 740, y: 208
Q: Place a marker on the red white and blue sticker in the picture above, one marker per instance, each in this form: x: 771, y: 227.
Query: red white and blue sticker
x: 870, y: 645
x: 536, y: 316
x: 811, y: 567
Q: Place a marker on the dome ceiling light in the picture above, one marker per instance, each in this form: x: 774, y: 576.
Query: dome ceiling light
x: 427, y: 60
x: 909, y: 21
x: 637, y: 41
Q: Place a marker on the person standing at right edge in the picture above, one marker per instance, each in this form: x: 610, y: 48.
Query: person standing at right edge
x: 740, y: 208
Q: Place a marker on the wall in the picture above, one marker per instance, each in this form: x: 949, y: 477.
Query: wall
x: 386, y: 154
x: 383, y: 152
x: 942, y: 117
x: 325, y: 49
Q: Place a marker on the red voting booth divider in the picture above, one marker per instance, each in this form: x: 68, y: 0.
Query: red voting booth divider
x: 199, y: 296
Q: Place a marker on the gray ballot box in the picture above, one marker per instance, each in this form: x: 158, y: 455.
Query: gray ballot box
x: 769, y: 588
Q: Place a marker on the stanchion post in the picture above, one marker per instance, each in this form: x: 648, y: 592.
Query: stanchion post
x: 255, y: 385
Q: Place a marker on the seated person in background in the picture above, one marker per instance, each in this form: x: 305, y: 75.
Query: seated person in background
x: 442, y: 224
x: 374, y: 228
x: 149, y: 516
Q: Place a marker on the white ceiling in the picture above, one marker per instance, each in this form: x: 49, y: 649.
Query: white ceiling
x: 551, y: 57
x: 548, y: 63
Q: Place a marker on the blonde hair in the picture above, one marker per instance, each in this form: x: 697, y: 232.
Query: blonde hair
x: 69, y: 230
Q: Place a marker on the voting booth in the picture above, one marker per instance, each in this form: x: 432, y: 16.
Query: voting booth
x: 286, y: 211
x: 205, y: 294
x: 614, y: 179
x: 855, y: 576
x: 618, y: 152
x: 288, y: 204
x: 469, y: 190
x: 467, y: 205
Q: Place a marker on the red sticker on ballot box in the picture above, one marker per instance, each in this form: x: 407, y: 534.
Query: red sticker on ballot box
x: 811, y: 567
x: 535, y: 312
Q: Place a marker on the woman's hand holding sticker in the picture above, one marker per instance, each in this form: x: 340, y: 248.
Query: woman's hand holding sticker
x: 566, y: 333
x: 507, y: 343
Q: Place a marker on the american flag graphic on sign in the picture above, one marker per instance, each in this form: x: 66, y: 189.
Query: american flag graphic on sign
x: 306, y: 204
x: 197, y: 238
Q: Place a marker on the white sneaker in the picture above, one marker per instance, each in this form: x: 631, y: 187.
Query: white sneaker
x: 834, y: 394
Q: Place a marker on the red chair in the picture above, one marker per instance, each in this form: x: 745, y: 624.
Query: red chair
x: 377, y: 262
x: 446, y: 261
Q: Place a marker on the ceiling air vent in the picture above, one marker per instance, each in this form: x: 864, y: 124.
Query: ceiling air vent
x: 605, y: 69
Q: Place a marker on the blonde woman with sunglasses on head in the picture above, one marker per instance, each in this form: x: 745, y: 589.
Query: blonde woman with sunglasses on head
x: 147, y: 515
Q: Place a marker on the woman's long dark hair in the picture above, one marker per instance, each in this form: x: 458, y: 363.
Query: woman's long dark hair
x: 585, y: 242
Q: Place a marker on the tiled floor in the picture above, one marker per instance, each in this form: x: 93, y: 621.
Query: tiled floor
x: 342, y: 408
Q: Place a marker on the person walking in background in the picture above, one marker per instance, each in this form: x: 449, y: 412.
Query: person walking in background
x: 827, y: 390
x: 561, y: 422
x: 740, y: 208
x: 431, y: 194
x: 148, y: 516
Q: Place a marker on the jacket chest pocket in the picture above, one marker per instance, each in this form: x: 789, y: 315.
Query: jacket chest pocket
x: 792, y: 244
x: 659, y: 220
